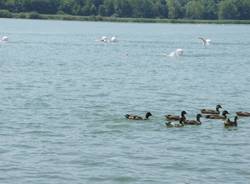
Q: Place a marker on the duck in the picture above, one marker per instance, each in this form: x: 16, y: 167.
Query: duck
x: 176, y: 118
x: 223, y: 116
x: 240, y: 113
x: 171, y: 125
x: 229, y: 123
x: 211, y: 111
x: 193, y: 122
x: 136, y: 117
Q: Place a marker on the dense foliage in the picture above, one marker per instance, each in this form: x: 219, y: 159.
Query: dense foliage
x: 173, y: 9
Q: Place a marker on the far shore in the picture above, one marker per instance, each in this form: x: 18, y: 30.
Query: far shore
x: 34, y: 15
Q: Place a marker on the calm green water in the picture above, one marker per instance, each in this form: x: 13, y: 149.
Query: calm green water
x: 63, y: 96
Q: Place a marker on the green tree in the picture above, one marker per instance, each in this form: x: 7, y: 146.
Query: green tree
x: 89, y: 8
x: 109, y: 7
x: 102, y: 10
x: 66, y: 6
x: 228, y: 10
x: 243, y: 7
x: 174, y: 9
x: 210, y: 9
x: 123, y: 8
x: 194, y: 9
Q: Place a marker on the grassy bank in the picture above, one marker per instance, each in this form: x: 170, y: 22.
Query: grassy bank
x: 34, y: 15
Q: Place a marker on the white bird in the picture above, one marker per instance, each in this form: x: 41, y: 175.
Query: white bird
x: 176, y: 53
x: 113, y: 39
x: 104, y: 39
x: 4, y: 39
x: 205, y: 41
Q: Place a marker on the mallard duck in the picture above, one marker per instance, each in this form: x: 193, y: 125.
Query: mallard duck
x: 217, y: 116
x: 170, y: 124
x: 246, y: 114
x: 211, y: 111
x: 193, y: 122
x: 229, y: 123
x: 136, y: 117
x: 176, y: 118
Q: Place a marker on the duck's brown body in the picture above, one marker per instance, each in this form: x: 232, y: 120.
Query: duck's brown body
x: 218, y: 116
x: 229, y: 123
x: 211, y: 111
x: 246, y: 114
x: 193, y: 122
x: 175, y: 117
x: 170, y: 125
x: 136, y: 117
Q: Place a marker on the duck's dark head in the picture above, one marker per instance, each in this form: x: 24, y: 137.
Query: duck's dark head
x: 126, y: 116
x: 224, y: 113
x: 147, y: 115
x: 218, y: 107
x: 198, y: 116
x: 235, y: 118
x: 183, y: 113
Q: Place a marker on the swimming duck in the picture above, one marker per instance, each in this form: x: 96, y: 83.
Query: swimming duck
x: 229, y: 123
x: 170, y: 124
x: 193, y: 122
x: 246, y: 114
x: 211, y: 111
x: 176, y: 118
x: 217, y: 116
x: 135, y: 117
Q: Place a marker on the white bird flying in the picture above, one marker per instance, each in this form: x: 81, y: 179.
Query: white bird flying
x: 205, y: 41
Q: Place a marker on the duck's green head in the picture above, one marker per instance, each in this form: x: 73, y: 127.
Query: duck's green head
x: 183, y: 113
x: 148, y: 114
x: 224, y: 113
x: 199, y: 116
x: 218, y: 106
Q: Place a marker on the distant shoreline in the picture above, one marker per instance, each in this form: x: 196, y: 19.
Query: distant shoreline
x: 34, y: 15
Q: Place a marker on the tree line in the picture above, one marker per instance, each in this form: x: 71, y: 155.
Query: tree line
x: 172, y: 9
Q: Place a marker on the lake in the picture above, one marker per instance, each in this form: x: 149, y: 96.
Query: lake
x: 64, y: 96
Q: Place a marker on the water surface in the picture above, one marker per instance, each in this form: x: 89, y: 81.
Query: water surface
x: 63, y: 96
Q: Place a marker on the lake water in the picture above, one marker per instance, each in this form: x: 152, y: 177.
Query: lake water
x: 64, y: 95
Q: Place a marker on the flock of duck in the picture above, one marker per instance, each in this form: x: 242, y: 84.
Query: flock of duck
x: 206, y: 113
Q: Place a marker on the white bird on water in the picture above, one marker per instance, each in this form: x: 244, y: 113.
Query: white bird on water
x: 104, y: 39
x: 205, y: 41
x: 4, y: 39
x: 113, y: 39
x: 176, y: 53
x: 108, y: 40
